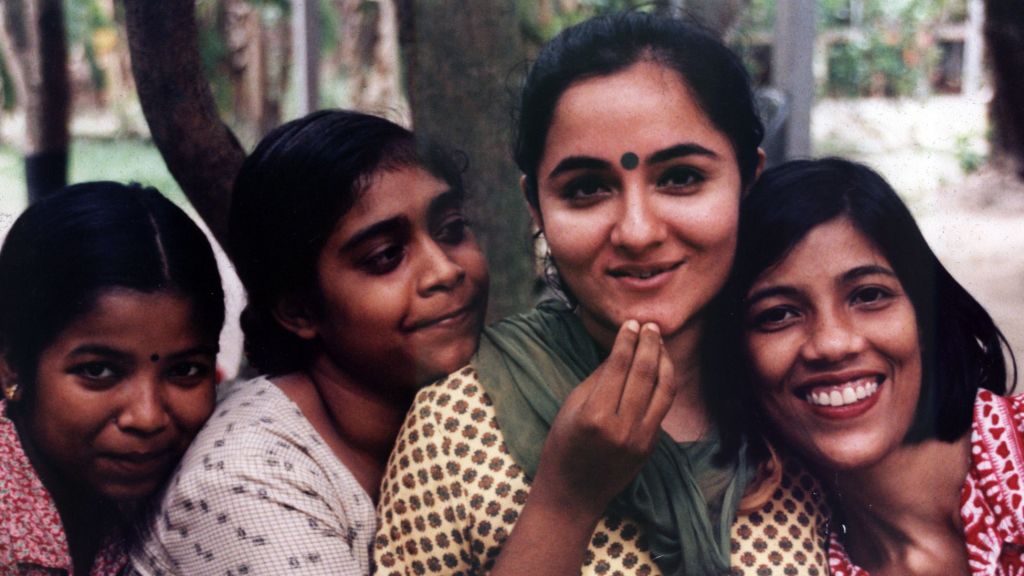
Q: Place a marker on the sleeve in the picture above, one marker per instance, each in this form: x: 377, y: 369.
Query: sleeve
x: 260, y: 506
x: 429, y: 496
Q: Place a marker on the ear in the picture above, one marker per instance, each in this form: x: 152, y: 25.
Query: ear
x: 10, y: 386
x: 761, y: 158
x: 534, y: 212
x: 293, y: 313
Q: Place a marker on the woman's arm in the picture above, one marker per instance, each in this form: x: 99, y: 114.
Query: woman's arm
x: 600, y: 439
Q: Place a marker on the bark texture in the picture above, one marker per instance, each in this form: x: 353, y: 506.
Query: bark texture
x: 1004, y: 35
x: 35, y: 49
x: 201, y: 152
x: 461, y: 57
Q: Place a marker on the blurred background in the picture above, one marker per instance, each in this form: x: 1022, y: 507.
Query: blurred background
x: 173, y: 93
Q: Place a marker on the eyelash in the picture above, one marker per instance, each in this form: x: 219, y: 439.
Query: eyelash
x: 761, y: 321
x: 691, y: 177
x: 591, y: 183
x: 189, y: 372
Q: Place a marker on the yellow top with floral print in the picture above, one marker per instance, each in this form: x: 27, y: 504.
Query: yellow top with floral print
x: 452, y: 493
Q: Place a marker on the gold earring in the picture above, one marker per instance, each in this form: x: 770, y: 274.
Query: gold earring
x: 12, y: 391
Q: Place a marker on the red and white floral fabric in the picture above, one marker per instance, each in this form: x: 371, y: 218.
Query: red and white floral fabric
x: 32, y: 539
x: 992, y: 499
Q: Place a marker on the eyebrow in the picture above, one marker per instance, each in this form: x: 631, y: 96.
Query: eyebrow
x: 571, y: 163
x: 679, y: 151
x: 107, y: 351
x: 769, y: 292
x: 444, y: 201
x: 392, y: 225
x: 866, y: 270
x: 847, y: 277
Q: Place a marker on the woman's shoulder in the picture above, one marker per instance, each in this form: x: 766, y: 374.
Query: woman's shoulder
x: 788, y: 533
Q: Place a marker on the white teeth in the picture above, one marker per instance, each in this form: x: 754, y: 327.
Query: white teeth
x: 849, y: 396
x: 849, y: 393
x: 836, y: 397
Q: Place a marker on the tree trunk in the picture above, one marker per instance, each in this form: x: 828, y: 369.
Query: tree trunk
x: 459, y: 62
x: 200, y: 151
x: 35, y: 49
x: 1004, y: 33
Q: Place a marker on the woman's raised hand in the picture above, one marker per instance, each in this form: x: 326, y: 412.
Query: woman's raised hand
x: 608, y: 425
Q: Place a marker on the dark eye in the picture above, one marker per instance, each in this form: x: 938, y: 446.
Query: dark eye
x: 774, y: 318
x: 95, y: 372
x: 585, y: 188
x: 871, y: 296
x: 189, y: 372
x: 680, y: 177
x: 453, y: 230
x: 384, y: 260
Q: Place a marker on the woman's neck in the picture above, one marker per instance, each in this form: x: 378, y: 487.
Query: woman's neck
x: 902, y: 514
x: 358, y: 420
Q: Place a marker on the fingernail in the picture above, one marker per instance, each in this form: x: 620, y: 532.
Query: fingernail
x: 653, y: 327
x: 632, y: 325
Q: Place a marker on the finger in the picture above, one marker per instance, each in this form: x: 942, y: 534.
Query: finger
x: 610, y: 379
x: 662, y: 397
x: 643, y: 375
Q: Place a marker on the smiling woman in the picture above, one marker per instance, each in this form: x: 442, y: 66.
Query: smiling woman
x: 365, y: 283
x: 602, y: 437
x: 875, y: 365
x: 95, y: 282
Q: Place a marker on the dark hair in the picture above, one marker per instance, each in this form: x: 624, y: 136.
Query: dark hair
x: 961, y: 347
x: 66, y: 250
x: 292, y: 190
x: 608, y: 44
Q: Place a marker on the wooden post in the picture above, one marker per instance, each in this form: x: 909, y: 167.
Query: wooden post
x: 305, y: 54
x: 793, y: 69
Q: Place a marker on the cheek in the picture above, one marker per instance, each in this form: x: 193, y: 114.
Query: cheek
x: 191, y: 407
x: 769, y: 357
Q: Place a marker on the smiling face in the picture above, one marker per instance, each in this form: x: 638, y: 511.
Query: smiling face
x: 833, y: 342
x: 121, y: 392
x: 638, y: 199
x: 403, y: 284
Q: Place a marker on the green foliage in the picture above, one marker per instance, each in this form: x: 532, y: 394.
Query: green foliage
x: 967, y: 156
x: 82, y: 19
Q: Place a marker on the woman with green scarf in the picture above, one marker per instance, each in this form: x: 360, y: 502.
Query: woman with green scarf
x: 598, y: 432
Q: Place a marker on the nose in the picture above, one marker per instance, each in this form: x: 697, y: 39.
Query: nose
x: 640, y: 226
x: 833, y: 338
x: 144, y: 411
x: 439, y: 271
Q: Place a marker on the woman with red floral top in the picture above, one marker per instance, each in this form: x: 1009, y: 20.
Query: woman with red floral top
x: 110, y: 311
x: 885, y: 374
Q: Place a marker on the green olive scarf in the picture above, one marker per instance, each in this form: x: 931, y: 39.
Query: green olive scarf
x: 529, y: 363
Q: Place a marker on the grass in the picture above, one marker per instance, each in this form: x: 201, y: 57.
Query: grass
x: 120, y: 160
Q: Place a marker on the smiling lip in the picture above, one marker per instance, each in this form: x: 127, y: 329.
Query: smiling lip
x: 646, y: 275
x: 445, y: 320
x: 842, y: 395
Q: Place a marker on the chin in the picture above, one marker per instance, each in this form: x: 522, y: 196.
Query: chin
x: 444, y: 362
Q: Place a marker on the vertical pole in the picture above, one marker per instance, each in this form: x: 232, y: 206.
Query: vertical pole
x: 793, y: 69
x: 974, y: 47
x: 305, y: 54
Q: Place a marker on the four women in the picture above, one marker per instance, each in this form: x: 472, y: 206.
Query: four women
x: 110, y: 312
x: 615, y: 419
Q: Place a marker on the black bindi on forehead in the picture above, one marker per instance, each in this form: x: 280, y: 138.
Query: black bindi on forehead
x: 154, y: 358
x: 629, y: 161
